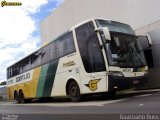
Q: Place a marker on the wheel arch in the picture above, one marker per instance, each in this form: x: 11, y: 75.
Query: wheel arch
x: 68, y: 83
x: 15, y: 93
x: 20, y: 90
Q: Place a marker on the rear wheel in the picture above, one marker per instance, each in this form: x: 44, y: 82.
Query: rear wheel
x: 16, y: 97
x: 74, y: 92
x: 21, y: 97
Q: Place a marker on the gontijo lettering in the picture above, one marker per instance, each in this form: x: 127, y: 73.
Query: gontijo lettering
x: 4, y: 3
x: 23, y: 77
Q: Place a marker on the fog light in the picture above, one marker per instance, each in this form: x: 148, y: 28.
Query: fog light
x: 115, y: 87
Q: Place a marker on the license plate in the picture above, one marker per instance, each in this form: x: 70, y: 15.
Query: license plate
x: 135, y: 82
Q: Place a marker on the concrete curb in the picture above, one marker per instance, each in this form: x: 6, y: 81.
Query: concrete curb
x: 142, y: 91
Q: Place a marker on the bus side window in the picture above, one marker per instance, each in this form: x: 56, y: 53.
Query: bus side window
x: 65, y: 45
x: 95, y: 56
x: 53, y: 49
x: 85, y: 34
x: 7, y: 73
x: 60, y: 43
x: 70, y: 43
x: 11, y: 72
x: 46, y: 54
x: 36, y: 59
x: 26, y: 64
x: 82, y: 33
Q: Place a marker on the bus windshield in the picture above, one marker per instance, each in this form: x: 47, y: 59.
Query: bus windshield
x: 123, y: 50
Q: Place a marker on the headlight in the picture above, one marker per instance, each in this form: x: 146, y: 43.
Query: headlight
x: 115, y: 73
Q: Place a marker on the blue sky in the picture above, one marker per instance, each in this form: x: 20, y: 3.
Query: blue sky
x: 20, y: 29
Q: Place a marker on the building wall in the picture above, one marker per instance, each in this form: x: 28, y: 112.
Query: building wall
x: 153, y: 29
x: 142, y: 12
x: 137, y: 13
x: 72, y: 12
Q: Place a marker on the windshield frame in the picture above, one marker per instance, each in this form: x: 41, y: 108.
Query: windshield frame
x: 110, y: 58
x: 115, y: 26
x: 131, y: 56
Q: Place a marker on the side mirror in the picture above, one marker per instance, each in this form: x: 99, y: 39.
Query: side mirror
x: 149, y: 39
x: 145, y: 41
x: 105, y: 32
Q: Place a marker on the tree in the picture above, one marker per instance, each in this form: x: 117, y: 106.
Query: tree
x: 3, y: 83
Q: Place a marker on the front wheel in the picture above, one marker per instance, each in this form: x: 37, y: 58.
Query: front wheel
x: 74, y: 92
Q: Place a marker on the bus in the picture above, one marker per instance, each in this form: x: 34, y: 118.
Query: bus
x: 3, y: 92
x: 93, y: 57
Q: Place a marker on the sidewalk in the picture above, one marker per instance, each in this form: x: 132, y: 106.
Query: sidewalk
x: 142, y: 91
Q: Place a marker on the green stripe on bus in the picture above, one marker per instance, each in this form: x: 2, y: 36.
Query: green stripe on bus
x: 41, y: 81
x: 50, y: 78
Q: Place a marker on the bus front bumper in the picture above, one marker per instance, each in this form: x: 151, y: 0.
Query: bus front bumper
x: 122, y: 83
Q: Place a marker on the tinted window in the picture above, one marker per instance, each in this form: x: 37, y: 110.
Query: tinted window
x: 11, y: 72
x: 53, y: 49
x: 65, y: 45
x: 47, y: 53
x: 26, y: 64
x: 36, y: 59
x: 21, y: 67
x: 85, y: 35
x: 61, y: 47
x: 70, y: 43
x: 95, y: 55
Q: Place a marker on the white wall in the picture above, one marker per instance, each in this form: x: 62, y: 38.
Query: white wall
x: 142, y: 12
x: 71, y: 12
x: 137, y: 13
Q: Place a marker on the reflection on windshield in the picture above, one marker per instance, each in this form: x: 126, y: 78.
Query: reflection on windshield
x: 125, y: 51
x: 115, y: 26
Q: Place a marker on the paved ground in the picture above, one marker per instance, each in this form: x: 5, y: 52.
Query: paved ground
x: 131, y: 103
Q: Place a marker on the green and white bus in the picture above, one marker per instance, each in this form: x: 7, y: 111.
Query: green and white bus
x: 95, y: 56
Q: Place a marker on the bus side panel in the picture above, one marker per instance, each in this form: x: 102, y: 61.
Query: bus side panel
x: 46, y: 79
x: 30, y: 88
x: 10, y: 93
x: 49, y: 81
x: 41, y: 80
x: 12, y: 89
x: 28, y: 84
x: 68, y: 68
x: 96, y: 83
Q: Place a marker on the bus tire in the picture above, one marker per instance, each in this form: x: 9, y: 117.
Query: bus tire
x: 21, y: 97
x: 16, y: 97
x: 74, y: 92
